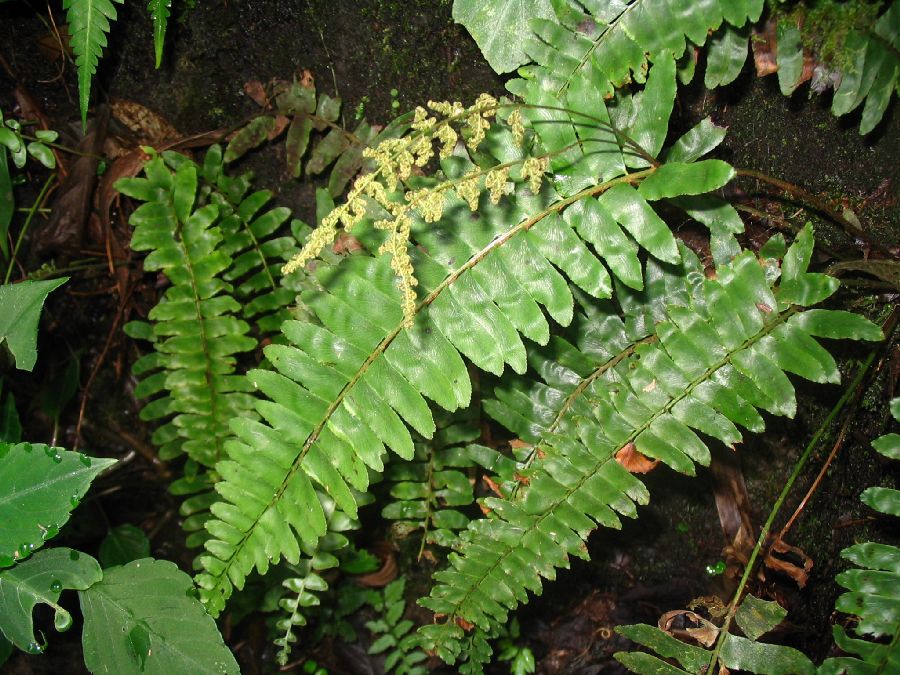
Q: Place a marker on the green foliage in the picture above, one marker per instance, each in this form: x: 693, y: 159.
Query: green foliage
x: 123, y: 544
x: 686, y: 355
x: 735, y: 653
x: 41, y: 579
x: 872, y: 587
x: 142, y: 617
x: 89, y: 22
x: 425, y: 490
x: 392, y: 633
x: 20, y: 310
x: 619, y: 38
x: 159, y: 12
x: 521, y: 659
x: 39, y: 488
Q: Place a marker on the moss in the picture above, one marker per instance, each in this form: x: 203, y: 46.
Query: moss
x: 825, y: 25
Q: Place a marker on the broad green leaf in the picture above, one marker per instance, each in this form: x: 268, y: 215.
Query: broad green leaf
x: 20, y: 310
x: 122, y: 545
x: 143, y: 618
x: 653, y: 108
x: 41, y: 580
x: 674, y: 179
x: 757, y: 657
x: 39, y: 488
x: 703, y: 138
x: 789, y: 57
x: 884, y: 500
x: 888, y: 445
x: 757, y: 617
x: 500, y: 27
x: 252, y: 135
x: 837, y: 324
x: 43, y: 154
x: 726, y: 55
x: 689, y: 656
x: 633, y: 213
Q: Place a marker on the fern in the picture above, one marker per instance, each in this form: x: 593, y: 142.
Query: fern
x: 89, y: 22
x: 394, y: 636
x: 159, y: 12
x: 345, y: 382
x: 872, y: 587
x: 425, y: 490
x: 704, y: 359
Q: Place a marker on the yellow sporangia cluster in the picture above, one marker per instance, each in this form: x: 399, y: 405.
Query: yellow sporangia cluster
x: 394, y: 159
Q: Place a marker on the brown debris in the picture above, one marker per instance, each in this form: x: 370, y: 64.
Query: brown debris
x: 630, y: 458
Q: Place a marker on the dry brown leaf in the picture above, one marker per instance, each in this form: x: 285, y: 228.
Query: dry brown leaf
x: 151, y: 128
x: 518, y: 443
x: 764, y: 50
x: 306, y: 79
x: 629, y: 457
x: 789, y: 560
x: 682, y: 623
x: 346, y: 243
x: 255, y: 90
x: 281, y: 123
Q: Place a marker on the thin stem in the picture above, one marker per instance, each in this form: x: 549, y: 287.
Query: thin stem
x: 32, y: 211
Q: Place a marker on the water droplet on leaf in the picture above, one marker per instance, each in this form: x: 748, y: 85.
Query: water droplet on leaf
x: 84, y: 459
x: 50, y: 532
x: 34, y: 648
x: 56, y: 586
x: 74, y: 555
x: 74, y: 501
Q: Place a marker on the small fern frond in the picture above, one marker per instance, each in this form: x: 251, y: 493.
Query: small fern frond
x: 300, y: 589
x: 720, y: 352
x: 872, y: 587
x: 89, y: 22
x: 428, y: 491
x: 190, y: 375
x: 393, y: 633
x: 755, y: 618
x: 159, y: 12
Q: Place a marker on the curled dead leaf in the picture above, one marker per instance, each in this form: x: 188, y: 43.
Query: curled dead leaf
x: 682, y: 623
x: 383, y: 576
x: 634, y: 461
x: 789, y: 560
x: 346, y: 243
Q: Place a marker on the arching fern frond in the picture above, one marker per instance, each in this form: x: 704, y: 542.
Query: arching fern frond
x: 872, y: 587
x: 159, y: 12
x: 349, y: 381
x: 706, y: 367
x: 89, y: 22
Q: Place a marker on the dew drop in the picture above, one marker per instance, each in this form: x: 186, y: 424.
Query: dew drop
x: 25, y: 549
x: 27, y: 447
x: 57, y: 458
x: 84, y: 459
x: 50, y: 532
x: 34, y: 648
x: 74, y: 500
x: 56, y: 586
x: 74, y: 555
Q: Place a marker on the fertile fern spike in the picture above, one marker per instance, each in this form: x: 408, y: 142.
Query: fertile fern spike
x: 159, y: 12
x: 89, y: 22
x: 755, y: 618
x: 872, y: 587
x: 349, y: 381
x: 721, y: 352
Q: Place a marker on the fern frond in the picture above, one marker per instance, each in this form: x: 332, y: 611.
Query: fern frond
x: 89, y: 22
x: 300, y: 589
x: 349, y: 381
x: 159, y: 12
x: 191, y: 373
x: 428, y: 491
x: 755, y: 617
x: 720, y: 352
x: 872, y: 587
